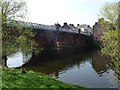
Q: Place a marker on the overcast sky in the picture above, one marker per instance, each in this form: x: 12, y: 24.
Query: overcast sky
x: 75, y: 12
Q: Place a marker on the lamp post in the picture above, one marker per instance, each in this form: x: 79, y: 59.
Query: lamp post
x: 78, y: 27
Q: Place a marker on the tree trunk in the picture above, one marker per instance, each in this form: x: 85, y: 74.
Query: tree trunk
x: 4, y: 61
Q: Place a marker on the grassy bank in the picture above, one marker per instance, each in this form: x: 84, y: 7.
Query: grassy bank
x: 12, y: 78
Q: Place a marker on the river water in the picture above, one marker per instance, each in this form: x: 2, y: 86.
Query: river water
x: 90, y: 69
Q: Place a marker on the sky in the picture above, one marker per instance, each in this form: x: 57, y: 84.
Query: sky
x: 74, y: 12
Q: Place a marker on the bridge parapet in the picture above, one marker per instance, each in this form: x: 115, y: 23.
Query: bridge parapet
x: 68, y: 30
x: 36, y: 26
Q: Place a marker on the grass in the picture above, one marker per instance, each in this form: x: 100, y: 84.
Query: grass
x: 12, y: 78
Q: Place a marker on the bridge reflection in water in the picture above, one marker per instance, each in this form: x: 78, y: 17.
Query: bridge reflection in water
x: 64, y: 59
x: 90, y: 69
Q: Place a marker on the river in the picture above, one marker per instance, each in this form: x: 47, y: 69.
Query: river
x: 90, y: 69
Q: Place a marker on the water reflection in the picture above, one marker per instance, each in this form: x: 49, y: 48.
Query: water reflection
x: 49, y: 64
x: 88, y: 69
x: 17, y: 59
x: 100, y: 63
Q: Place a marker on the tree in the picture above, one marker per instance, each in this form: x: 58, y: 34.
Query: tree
x: 110, y: 12
x: 13, y: 9
x: 15, y: 37
x: 110, y: 38
x: 106, y: 25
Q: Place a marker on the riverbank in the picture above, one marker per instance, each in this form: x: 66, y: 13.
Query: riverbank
x: 12, y: 78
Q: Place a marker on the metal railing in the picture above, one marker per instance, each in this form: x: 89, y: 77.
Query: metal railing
x: 46, y: 27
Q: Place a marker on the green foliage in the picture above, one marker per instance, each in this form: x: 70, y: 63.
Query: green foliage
x: 110, y: 44
x: 111, y: 48
x: 111, y: 39
x: 13, y: 9
x: 110, y: 11
x: 18, y: 37
x: 13, y: 78
x: 106, y: 25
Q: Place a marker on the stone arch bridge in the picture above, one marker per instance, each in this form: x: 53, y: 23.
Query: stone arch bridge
x: 48, y: 36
